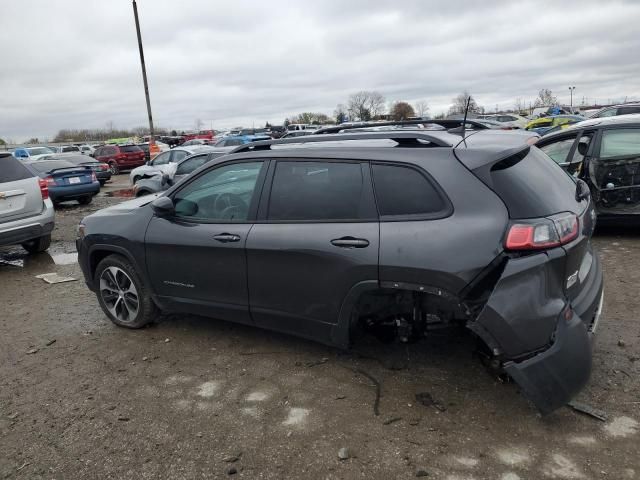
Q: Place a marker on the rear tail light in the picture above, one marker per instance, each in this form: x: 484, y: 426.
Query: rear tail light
x: 44, y: 188
x: 93, y: 177
x: 51, y: 182
x: 541, y: 233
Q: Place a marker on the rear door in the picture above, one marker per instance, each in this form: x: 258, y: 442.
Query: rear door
x: 317, y: 236
x: 615, y: 171
x: 20, y: 195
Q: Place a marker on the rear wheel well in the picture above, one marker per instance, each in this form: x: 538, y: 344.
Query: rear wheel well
x: 405, y: 315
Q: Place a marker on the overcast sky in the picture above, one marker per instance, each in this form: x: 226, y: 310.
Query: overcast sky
x: 75, y: 64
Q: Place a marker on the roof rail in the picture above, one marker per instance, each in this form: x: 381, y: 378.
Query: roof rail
x: 406, y: 139
x: 446, y: 123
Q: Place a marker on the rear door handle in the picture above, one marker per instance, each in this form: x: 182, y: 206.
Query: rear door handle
x: 227, y: 237
x: 350, y: 242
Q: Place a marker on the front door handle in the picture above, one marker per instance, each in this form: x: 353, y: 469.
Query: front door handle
x: 350, y: 242
x: 227, y: 237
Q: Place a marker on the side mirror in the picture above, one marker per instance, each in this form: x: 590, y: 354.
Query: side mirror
x: 163, y: 207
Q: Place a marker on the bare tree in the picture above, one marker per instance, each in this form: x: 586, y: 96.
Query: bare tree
x: 519, y: 105
x: 310, y: 118
x: 402, y: 111
x: 365, y: 105
x: 421, y: 108
x: 546, y: 98
x: 357, y: 106
x: 376, y: 104
x: 340, y: 113
x: 460, y: 104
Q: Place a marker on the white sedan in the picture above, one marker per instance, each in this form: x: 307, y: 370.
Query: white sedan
x: 160, y: 162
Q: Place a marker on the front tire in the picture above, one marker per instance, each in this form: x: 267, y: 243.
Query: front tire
x: 113, y: 168
x: 37, y: 245
x: 123, y: 296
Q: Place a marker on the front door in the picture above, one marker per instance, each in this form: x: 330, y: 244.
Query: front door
x: 196, y: 258
x: 317, y: 238
x: 615, y: 171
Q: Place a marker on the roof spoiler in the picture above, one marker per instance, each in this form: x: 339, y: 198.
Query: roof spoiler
x: 405, y: 139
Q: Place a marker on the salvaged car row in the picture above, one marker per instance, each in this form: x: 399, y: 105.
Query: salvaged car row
x: 391, y: 229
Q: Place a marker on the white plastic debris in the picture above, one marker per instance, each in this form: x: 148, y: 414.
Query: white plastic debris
x: 55, y: 278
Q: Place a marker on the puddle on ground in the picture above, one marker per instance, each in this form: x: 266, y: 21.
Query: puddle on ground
x: 65, y: 258
x: 122, y: 193
x: 56, y: 255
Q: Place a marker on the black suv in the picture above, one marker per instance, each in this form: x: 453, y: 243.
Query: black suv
x: 326, y: 235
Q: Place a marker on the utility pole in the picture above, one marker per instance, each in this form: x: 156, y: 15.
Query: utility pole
x: 571, y: 89
x: 153, y: 148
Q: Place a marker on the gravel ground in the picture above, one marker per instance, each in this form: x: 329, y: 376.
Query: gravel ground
x: 195, y: 398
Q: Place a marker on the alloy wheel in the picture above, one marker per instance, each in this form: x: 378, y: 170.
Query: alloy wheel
x: 119, y: 294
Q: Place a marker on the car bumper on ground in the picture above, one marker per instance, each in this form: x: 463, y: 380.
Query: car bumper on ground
x: 20, y: 231
x: 72, y: 192
x: 519, y: 317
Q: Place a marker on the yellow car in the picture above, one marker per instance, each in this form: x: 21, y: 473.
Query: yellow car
x: 544, y: 124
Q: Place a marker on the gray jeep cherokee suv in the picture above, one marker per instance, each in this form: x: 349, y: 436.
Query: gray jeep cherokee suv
x: 323, y: 235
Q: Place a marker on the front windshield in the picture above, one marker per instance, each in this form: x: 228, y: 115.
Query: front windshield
x: 39, y: 151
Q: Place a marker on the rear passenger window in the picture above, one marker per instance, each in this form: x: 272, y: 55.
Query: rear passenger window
x: 11, y: 170
x: 320, y: 191
x: 402, y: 191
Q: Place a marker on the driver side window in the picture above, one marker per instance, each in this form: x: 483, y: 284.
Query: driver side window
x: 223, y: 194
x: 161, y: 159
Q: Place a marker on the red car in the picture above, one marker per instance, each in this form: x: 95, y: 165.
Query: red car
x: 120, y: 157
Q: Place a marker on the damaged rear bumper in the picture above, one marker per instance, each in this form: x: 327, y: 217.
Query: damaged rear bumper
x: 527, y: 306
x: 553, y: 377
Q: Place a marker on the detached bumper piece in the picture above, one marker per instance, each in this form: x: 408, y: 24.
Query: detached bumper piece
x: 553, y: 377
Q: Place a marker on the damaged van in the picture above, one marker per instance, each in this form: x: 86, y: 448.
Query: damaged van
x: 326, y: 235
x: 605, y: 153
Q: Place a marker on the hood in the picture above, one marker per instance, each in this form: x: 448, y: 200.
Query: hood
x: 127, y: 206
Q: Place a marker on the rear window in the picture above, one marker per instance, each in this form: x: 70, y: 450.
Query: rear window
x: 44, y: 167
x: 532, y: 185
x: 11, y: 170
x: 404, y: 191
x: 130, y: 149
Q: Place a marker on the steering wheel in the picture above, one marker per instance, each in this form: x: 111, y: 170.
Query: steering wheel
x: 227, y: 205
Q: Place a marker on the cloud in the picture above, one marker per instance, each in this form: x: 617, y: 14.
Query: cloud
x: 75, y: 63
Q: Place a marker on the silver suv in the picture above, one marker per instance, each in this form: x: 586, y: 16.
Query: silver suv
x: 26, y: 212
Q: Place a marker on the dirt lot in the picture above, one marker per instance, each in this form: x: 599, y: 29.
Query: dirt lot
x: 196, y: 398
